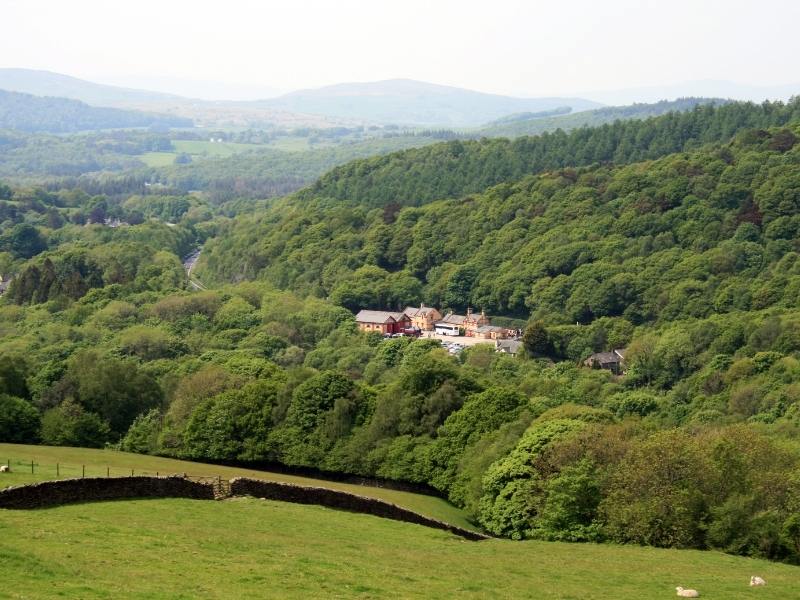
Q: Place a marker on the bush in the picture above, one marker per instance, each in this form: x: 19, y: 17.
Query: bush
x: 19, y: 421
x: 513, y: 485
x: 632, y: 403
x: 142, y: 436
x: 656, y: 495
x: 70, y: 425
x: 570, y: 506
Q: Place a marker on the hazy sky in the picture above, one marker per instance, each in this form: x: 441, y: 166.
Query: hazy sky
x: 513, y: 47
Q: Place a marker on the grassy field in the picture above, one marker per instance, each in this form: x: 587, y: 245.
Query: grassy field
x: 196, y: 149
x: 157, y: 159
x: 249, y: 548
x: 99, y: 463
x: 206, y: 148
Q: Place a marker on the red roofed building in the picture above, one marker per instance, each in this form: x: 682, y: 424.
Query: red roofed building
x: 382, y: 321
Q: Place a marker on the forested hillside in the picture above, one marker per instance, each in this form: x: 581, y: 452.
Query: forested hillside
x: 687, y: 235
x: 25, y: 112
x: 534, y: 124
x: 465, y: 167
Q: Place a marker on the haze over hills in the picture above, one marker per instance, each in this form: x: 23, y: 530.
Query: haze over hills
x: 409, y: 102
x: 47, y: 83
x: 708, y: 88
x: 29, y: 113
x: 398, y: 101
x: 203, y: 112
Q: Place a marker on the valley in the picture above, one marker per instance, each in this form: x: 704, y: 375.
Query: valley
x: 570, y: 327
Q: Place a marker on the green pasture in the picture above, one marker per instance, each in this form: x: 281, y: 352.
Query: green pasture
x: 196, y: 149
x: 157, y: 159
x: 250, y: 548
x: 55, y: 462
x: 206, y: 148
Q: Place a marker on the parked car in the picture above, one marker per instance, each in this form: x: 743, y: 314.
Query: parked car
x: 412, y: 332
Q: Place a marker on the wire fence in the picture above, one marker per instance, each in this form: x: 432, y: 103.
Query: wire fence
x: 27, y: 470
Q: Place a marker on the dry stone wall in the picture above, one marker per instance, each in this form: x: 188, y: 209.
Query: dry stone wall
x: 287, y: 492
x: 67, y: 491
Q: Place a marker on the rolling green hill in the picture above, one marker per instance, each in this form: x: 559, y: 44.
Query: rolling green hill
x: 246, y: 547
x: 75, y: 462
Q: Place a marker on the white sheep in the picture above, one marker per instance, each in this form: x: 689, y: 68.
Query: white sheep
x: 756, y: 580
x: 4, y: 469
x: 687, y: 593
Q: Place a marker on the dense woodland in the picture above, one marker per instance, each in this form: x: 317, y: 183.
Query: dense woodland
x: 687, y: 253
x: 460, y: 167
x: 538, y: 123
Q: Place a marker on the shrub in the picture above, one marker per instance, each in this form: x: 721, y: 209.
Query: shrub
x: 142, y: 436
x: 19, y: 421
x: 70, y: 425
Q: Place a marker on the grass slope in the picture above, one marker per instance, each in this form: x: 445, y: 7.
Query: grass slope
x: 248, y: 548
x: 100, y: 462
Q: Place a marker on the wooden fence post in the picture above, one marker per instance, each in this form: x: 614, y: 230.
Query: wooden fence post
x: 83, y: 471
x: 131, y: 472
x: 58, y: 474
x: 108, y: 471
x: 31, y: 467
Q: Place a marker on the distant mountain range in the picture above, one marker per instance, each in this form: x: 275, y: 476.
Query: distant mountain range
x: 34, y: 114
x: 397, y: 101
x: 205, y: 113
x: 409, y: 102
x: 402, y: 102
x: 46, y: 83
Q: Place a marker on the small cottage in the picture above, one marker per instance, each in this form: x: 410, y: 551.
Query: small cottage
x: 490, y: 332
x: 610, y: 361
x: 512, y: 347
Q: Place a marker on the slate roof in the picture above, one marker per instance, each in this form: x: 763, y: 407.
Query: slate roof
x: 508, y: 346
x: 378, y: 316
x: 452, y: 319
x: 489, y: 328
x: 605, y: 358
x: 412, y: 311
